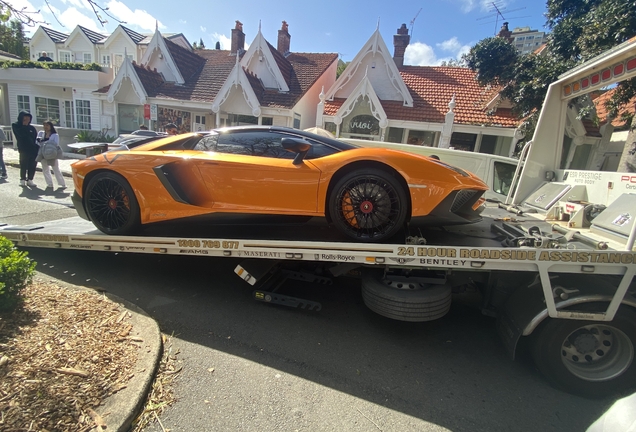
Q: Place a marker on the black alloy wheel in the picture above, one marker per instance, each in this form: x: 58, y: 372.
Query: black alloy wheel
x: 111, y: 204
x: 368, y: 206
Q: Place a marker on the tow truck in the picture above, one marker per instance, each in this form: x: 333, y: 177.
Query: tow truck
x: 553, y: 263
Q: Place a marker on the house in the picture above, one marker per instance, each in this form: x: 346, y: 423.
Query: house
x: 378, y: 98
x: 157, y: 79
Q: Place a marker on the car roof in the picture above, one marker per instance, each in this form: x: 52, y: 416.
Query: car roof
x: 340, y: 145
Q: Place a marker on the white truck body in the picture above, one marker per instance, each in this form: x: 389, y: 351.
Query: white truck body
x: 563, y: 273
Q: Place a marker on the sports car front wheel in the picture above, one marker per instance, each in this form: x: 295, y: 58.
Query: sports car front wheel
x: 111, y: 204
x: 368, y: 205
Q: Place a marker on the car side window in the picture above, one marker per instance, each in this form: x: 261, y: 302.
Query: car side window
x: 253, y: 143
x: 207, y: 143
x: 319, y: 150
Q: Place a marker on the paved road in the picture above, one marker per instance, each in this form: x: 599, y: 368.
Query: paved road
x: 255, y: 367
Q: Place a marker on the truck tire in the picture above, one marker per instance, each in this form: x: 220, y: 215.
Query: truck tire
x: 588, y: 358
x: 415, y: 303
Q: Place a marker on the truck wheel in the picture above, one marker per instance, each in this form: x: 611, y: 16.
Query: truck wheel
x: 111, y: 204
x: 414, y: 302
x: 368, y: 205
x: 589, y: 358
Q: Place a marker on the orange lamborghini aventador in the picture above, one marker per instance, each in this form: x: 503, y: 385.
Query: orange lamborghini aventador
x: 368, y: 194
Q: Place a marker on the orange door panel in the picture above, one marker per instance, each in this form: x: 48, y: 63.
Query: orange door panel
x: 260, y: 184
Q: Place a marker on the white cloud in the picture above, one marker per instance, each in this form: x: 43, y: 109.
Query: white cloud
x: 26, y: 6
x: 139, y: 18
x: 203, y: 29
x: 77, y: 3
x: 71, y: 18
x: 467, y: 6
x: 226, y: 42
x: 420, y: 54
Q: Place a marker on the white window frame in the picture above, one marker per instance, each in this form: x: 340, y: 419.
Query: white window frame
x: 24, y: 103
x: 88, y: 55
x: 83, y: 114
x: 69, y: 114
x: 49, y: 103
x: 62, y: 54
x: 106, y: 59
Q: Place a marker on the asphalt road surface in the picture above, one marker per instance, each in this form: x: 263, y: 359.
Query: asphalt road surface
x: 250, y: 366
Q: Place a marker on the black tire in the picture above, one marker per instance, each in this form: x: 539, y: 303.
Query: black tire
x: 368, y: 205
x: 410, y: 302
x: 111, y: 204
x: 588, y: 358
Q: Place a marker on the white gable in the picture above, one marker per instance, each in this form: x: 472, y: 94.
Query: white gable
x: 374, y: 60
x: 363, y: 90
x: 126, y: 80
x: 236, y: 94
x: 157, y: 56
x: 78, y: 40
x: 260, y: 61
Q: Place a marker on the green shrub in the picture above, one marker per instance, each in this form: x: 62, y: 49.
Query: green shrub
x: 16, y: 272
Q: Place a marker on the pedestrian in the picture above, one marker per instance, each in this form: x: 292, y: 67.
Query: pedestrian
x: 50, y: 152
x: 171, y: 129
x: 25, y: 134
x: 45, y: 57
x: 3, y: 168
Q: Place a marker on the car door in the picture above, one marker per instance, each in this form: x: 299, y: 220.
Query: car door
x: 250, y: 172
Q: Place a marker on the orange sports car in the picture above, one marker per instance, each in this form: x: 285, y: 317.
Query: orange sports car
x: 368, y: 194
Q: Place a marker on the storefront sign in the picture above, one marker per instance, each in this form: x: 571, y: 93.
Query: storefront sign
x: 147, y: 111
x: 364, y: 124
x: 153, y: 111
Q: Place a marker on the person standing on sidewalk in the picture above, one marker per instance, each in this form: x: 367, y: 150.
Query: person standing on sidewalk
x: 3, y: 167
x: 25, y: 134
x: 50, y: 152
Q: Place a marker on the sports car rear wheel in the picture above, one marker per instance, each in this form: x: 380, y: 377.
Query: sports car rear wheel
x: 368, y: 206
x: 111, y: 204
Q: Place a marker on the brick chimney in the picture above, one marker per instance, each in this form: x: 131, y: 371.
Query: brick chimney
x: 283, y: 39
x: 238, y: 38
x: 505, y: 32
x: 400, y: 42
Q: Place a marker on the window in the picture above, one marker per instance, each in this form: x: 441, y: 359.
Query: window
x: 296, y: 121
x: 423, y: 138
x: 88, y: 58
x: 241, y: 120
x: 267, y: 121
x: 65, y: 56
x: 69, y: 114
x: 106, y: 60
x: 463, y: 141
x: 47, y: 109
x: 502, y: 178
x: 23, y: 103
x: 83, y: 114
x: 266, y: 144
x: 396, y: 135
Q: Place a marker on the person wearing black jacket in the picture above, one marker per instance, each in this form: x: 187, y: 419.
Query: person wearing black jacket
x: 25, y: 134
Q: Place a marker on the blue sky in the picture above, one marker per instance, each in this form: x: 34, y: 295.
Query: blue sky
x: 441, y: 29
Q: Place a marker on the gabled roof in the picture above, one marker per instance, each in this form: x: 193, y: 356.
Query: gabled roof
x: 8, y: 56
x: 602, y: 112
x: 432, y: 88
x: 186, y: 61
x: 264, y: 60
x: 94, y: 37
x: 373, y: 52
x: 128, y: 70
x: 136, y: 37
x: 54, y: 35
x: 364, y: 89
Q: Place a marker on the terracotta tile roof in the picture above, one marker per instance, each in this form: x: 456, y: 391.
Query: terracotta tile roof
x: 94, y: 37
x: 205, y: 82
x: 188, y: 62
x: 55, y: 36
x: 602, y: 112
x: 284, y: 65
x: 136, y: 37
x: 432, y: 88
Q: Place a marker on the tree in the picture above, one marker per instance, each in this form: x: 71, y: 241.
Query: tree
x: 580, y: 30
x: 454, y: 63
x: 12, y: 39
x: 27, y: 17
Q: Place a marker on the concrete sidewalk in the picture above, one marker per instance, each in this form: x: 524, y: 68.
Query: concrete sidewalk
x: 12, y: 158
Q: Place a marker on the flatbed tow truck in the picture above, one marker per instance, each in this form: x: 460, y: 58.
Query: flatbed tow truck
x: 553, y: 264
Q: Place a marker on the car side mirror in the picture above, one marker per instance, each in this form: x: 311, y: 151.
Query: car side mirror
x: 298, y: 146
